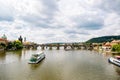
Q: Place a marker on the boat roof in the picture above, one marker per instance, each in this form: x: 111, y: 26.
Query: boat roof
x: 37, y: 53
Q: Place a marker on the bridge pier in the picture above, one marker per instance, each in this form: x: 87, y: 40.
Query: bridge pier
x: 42, y: 46
x: 78, y: 47
x: 50, y: 47
x: 65, y: 46
x: 58, y: 46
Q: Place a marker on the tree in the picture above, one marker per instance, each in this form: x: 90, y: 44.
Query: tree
x: 14, y: 45
x: 2, y: 45
x: 18, y: 44
x: 10, y: 45
x: 116, y: 48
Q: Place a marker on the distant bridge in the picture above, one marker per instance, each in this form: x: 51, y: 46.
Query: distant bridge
x: 66, y: 46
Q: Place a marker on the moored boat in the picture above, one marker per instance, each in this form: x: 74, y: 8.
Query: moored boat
x: 114, y: 61
x: 35, y: 58
x: 118, y: 57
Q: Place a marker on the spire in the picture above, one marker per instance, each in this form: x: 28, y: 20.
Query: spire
x: 24, y: 39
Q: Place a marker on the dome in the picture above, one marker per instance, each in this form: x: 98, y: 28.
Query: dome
x: 4, y: 37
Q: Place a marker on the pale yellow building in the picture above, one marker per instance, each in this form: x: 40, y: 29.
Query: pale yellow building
x: 114, y: 42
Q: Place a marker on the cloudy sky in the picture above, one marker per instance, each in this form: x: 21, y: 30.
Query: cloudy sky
x: 44, y: 21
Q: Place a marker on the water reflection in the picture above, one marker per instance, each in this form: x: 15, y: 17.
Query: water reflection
x: 117, y: 69
x: 2, y: 57
x: 35, y: 66
x: 107, y: 54
x: 18, y: 53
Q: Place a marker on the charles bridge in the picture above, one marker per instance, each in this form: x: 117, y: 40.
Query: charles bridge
x: 65, y: 46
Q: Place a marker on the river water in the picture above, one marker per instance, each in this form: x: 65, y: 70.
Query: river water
x: 58, y: 65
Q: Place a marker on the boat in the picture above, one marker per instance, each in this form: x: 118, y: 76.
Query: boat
x: 118, y: 57
x: 115, y: 61
x: 36, y: 58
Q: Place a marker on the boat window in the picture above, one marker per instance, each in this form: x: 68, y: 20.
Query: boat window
x: 117, y: 61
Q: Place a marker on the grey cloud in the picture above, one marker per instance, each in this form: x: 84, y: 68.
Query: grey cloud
x: 110, y: 6
x: 19, y: 27
x: 71, y: 36
x: 6, y: 18
x: 49, y: 35
x: 6, y: 13
x: 1, y: 27
x: 89, y: 22
x: 50, y: 7
x: 35, y: 21
x: 74, y: 32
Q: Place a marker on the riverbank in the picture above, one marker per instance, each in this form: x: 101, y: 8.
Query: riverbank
x: 117, y: 53
x: 2, y: 49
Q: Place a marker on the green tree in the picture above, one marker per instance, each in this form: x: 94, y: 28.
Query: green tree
x: 2, y: 45
x: 14, y: 45
x: 116, y: 48
x: 10, y: 45
x: 18, y: 44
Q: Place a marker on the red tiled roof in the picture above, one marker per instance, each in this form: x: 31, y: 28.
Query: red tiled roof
x: 1, y: 39
x: 107, y: 44
x: 116, y: 41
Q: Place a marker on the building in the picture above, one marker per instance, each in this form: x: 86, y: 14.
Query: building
x: 3, y: 40
x: 115, y: 42
x: 107, y: 47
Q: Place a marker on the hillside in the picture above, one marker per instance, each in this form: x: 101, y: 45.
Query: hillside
x: 103, y: 39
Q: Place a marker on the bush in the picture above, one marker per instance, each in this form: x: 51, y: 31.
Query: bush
x: 116, y: 48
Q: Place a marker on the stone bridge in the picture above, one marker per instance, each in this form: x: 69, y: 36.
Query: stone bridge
x: 65, y: 46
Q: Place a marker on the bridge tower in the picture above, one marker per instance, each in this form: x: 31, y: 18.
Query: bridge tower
x: 20, y: 39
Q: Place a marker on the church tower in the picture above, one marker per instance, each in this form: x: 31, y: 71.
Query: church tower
x: 20, y: 38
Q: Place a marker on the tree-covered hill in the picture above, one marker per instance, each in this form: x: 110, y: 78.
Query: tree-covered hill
x: 103, y: 39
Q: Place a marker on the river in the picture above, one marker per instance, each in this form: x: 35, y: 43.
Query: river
x: 58, y: 65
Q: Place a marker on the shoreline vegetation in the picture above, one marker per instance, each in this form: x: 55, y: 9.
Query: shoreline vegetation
x: 103, y: 39
x: 15, y: 45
